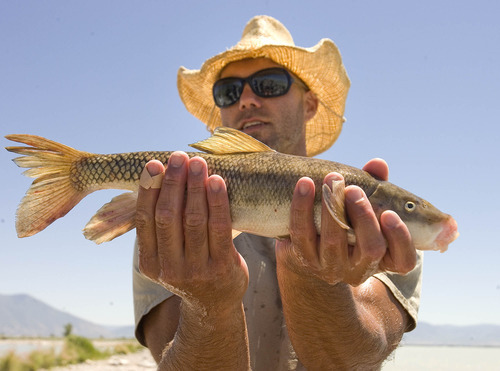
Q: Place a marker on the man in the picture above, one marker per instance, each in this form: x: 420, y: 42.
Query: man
x: 308, y: 301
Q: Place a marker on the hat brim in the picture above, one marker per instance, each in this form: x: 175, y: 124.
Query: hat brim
x: 320, y: 67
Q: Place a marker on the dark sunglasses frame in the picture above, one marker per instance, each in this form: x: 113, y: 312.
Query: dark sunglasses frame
x: 224, y: 97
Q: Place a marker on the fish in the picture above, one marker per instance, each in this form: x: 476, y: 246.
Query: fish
x: 260, y: 184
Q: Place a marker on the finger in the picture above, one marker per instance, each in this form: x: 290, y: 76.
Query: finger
x: 196, y: 214
x: 169, y: 212
x: 370, y: 243
x: 219, y: 219
x: 333, y: 246
x: 378, y: 168
x: 401, y: 256
x: 145, y: 219
x: 303, y: 233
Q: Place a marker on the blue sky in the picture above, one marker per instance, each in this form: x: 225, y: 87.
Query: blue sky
x: 101, y: 76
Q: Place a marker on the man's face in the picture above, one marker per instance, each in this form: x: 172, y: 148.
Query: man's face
x: 278, y: 122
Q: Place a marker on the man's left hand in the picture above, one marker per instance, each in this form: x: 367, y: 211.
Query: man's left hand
x: 381, y: 245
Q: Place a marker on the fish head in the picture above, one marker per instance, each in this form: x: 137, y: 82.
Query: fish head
x: 430, y: 228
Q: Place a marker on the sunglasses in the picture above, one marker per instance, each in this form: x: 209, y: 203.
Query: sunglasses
x: 267, y: 83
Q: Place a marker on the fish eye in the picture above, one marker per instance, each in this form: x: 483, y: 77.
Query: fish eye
x: 410, y: 206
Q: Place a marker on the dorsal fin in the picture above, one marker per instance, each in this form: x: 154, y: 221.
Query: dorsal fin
x: 229, y: 141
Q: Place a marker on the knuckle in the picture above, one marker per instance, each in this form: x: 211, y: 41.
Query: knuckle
x: 194, y: 220
x: 218, y: 223
x: 195, y: 230
x: 172, y: 183
x: 219, y: 208
x: 196, y: 188
x: 164, y: 218
x: 142, y: 219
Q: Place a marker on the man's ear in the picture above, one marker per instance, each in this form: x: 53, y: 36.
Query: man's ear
x: 310, y: 105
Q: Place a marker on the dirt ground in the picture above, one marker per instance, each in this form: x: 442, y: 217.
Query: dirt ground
x: 139, y: 361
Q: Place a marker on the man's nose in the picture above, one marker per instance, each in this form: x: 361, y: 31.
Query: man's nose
x: 249, y: 98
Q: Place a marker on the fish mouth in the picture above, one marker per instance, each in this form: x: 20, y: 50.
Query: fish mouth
x: 435, y: 236
x: 448, y: 234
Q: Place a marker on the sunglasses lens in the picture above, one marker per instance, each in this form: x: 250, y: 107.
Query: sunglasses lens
x: 227, y: 92
x: 270, y: 83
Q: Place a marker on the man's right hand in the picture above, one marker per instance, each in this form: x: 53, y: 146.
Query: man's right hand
x: 184, y: 235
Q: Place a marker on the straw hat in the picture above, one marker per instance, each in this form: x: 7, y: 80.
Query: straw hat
x: 320, y: 67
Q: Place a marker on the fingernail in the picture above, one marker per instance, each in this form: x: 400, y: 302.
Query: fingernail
x: 303, y: 189
x: 336, y: 176
x: 176, y: 160
x: 391, y: 219
x: 214, y: 185
x: 153, y: 169
x: 151, y: 176
x: 354, y: 194
x: 195, y: 167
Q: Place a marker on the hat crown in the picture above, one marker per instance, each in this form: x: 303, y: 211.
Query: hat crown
x: 264, y: 30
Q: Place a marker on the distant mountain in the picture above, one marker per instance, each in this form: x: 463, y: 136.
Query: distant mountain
x: 23, y: 315
x: 477, y: 335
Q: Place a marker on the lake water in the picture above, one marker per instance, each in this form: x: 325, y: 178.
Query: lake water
x: 412, y: 358
x: 25, y: 346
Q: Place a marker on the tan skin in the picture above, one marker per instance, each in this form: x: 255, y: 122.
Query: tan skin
x: 333, y: 307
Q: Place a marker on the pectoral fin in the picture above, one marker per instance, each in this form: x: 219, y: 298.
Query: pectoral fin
x: 113, y: 219
x: 334, y: 201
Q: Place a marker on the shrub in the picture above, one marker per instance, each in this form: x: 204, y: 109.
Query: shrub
x: 11, y: 362
x: 43, y: 359
x: 78, y: 349
x: 127, y: 348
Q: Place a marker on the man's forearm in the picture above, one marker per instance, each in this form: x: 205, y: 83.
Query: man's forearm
x: 208, y: 341
x: 337, y: 326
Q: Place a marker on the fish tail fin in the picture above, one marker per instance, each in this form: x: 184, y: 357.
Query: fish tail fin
x: 51, y: 195
x: 113, y: 219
